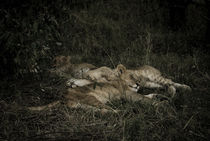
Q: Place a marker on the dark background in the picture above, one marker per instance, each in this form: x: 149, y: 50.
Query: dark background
x: 173, y: 36
x: 29, y: 26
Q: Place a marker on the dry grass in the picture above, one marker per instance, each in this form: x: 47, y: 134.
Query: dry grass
x: 103, y: 34
x: 183, y: 118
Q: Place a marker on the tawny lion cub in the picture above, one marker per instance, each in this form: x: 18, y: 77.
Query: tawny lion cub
x: 150, y: 77
x: 64, y: 67
x: 95, y: 96
x: 144, y: 77
x: 105, y: 75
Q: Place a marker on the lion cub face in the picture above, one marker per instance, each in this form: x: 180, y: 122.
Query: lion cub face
x: 60, y: 61
x: 128, y: 77
x: 61, y: 66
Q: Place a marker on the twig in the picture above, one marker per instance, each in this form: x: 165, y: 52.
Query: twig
x: 107, y: 55
x: 198, y: 135
x: 109, y: 58
x: 188, y: 122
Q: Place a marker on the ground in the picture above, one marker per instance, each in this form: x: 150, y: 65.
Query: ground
x: 102, y: 33
x: 184, y: 118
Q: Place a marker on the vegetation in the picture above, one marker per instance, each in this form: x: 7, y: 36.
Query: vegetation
x: 103, y: 32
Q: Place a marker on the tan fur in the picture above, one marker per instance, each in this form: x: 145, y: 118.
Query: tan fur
x: 149, y: 77
x: 61, y: 60
x: 95, y: 95
x: 145, y: 77
x: 107, y: 84
x: 100, y: 94
x: 105, y: 75
x: 102, y: 74
x: 64, y: 67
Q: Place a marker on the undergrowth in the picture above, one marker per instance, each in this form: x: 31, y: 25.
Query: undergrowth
x: 101, y: 33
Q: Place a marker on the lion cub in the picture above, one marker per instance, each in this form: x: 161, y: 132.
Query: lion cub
x: 144, y: 77
x: 150, y: 77
x: 64, y: 67
x: 96, y: 95
x: 105, y: 75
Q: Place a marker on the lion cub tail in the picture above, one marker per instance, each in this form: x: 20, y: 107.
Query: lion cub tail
x: 48, y: 106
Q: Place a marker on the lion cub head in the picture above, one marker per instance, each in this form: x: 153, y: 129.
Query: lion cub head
x: 128, y: 77
x: 60, y: 61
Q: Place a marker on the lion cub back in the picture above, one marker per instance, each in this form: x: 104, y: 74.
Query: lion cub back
x: 102, y: 74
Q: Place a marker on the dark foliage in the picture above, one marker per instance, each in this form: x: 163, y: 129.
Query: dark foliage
x: 172, y: 36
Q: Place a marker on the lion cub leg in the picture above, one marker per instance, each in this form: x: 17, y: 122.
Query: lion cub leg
x: 168, y: 82
x: 182, y: 86
x: 162, y: 82
x: 154, y: 85
x: 133, y: 96
x: 150, y: 84
x: 77, y: 82
x: 149, y: 98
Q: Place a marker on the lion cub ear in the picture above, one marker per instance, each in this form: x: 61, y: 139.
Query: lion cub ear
x: 121, y: 68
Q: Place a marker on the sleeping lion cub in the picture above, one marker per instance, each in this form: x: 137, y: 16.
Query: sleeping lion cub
x: 95, y: 95
x: 144, y: 77
x: 149, y: 77
x: 64, y: 67
x: 105, y: 84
